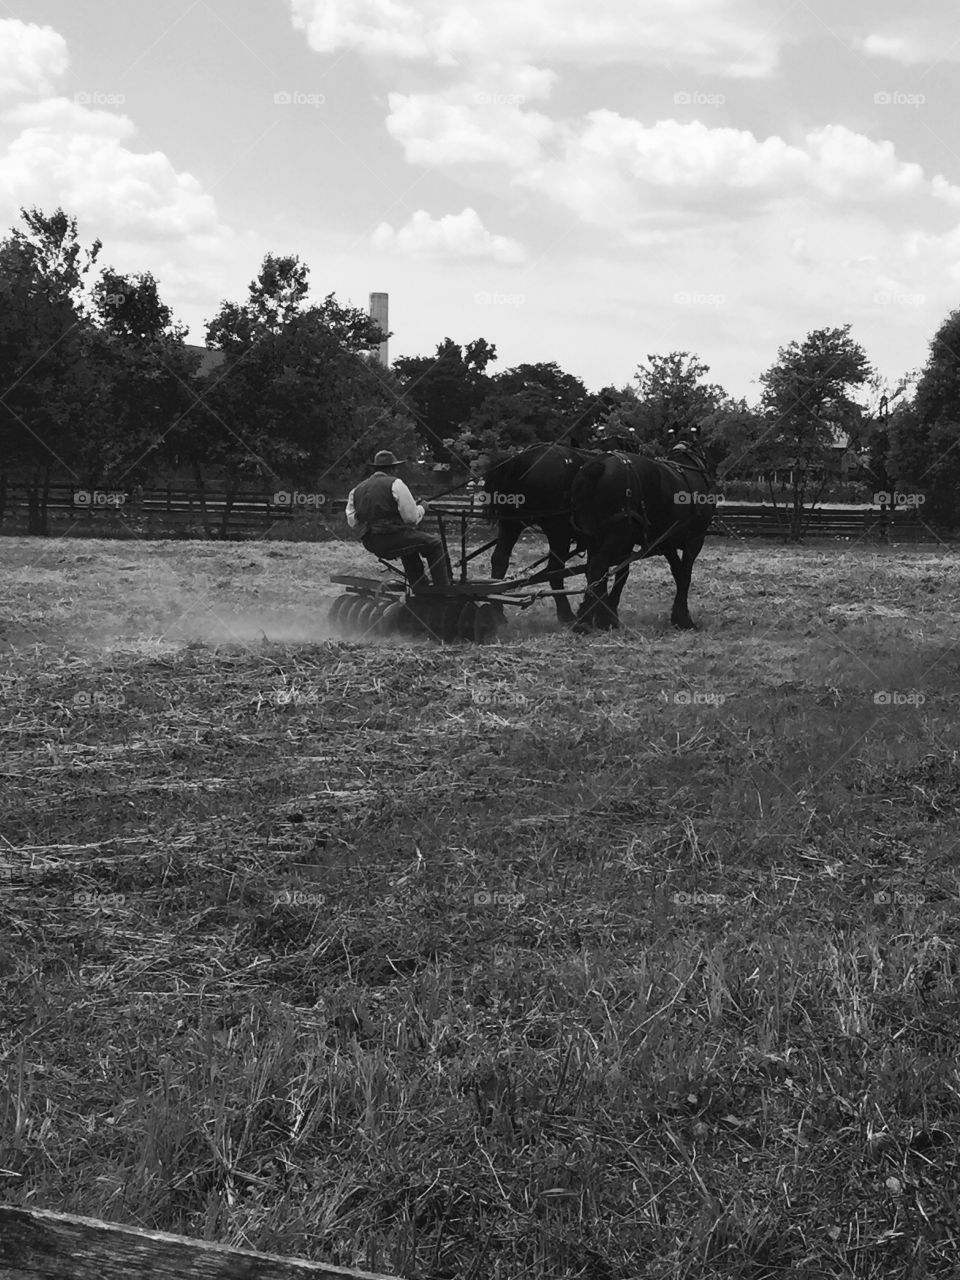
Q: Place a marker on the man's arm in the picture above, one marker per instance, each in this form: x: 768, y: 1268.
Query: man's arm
x: 410, y: 511
x: 351, y: 510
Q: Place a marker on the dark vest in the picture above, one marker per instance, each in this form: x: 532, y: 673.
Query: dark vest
x: 375, y: 505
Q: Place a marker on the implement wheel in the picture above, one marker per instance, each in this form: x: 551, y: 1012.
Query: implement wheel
x: 431, y: 615
x: 485, y: 623
x: 391, y: 620
x: 467, y: 621
x: 369, y: 618
x: 365, y: 617
x: 350, y: 612
x: 383, y: 608
x: 335, y: 616
x: 450, y: 621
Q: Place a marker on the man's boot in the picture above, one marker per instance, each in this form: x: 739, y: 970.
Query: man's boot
x: 440, y: 569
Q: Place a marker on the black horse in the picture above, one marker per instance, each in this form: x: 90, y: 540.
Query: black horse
x: 533, y: 489
x: 624, y: 500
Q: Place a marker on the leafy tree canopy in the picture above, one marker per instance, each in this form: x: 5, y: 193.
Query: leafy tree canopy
x: 670, y: 394
x: 924, y: 437
x: 284, y: 402
x: 529, y: 404
x: 444, y: 389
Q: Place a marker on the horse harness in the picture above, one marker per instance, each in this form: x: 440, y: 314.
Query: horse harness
x: 690, y: 462
x: 638, y: 517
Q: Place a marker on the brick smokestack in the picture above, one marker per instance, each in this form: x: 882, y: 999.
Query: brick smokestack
x: 378, y: 312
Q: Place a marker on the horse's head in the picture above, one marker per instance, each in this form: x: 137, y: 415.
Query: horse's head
x: 687, y: 455
x: 682, y: 433
x: 685, y: 447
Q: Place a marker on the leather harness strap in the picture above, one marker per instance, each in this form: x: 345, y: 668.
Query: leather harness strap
x: 637, y: 516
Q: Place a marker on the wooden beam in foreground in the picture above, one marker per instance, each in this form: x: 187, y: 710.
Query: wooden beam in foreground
x: 36, y: 1244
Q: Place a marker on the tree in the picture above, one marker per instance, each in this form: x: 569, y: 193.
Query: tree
x: 140, y: 374
x: 44, y: 324
x: 529, y: 404
x: 670, y: 395
x: 274, y: 298
x: 620, y: 422
x: 52, y: 247
x: 870, y: 440
x: 674, y: 395
x: 730, y: 436
x: 382, y: 419
x: 129, y: 307
x: 283, y: 404
x: 443, y: 390
x: 924, y: 436
x: 808, y: 410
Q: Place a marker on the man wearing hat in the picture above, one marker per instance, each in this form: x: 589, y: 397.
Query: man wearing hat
x: 387, y: 516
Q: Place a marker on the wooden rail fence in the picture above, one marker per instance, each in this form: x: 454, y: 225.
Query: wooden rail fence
x: 72, y: 508
x: 36, y: 1244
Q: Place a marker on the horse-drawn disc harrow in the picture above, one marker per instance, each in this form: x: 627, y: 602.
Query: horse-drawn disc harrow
x: 465, y: 611
x: 370, y: 608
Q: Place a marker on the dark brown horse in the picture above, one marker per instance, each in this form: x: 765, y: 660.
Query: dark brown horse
x: 533, y: 489
x: 624, y: 500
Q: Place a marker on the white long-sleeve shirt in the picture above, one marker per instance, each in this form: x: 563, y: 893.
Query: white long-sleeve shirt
x: 411, y: 512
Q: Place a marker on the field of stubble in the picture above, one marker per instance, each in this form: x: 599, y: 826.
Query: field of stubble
x: 626, y: 956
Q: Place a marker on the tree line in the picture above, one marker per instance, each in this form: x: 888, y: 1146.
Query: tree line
x: 98, y: 386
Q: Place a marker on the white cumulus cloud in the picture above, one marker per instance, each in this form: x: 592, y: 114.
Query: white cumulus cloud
x: 68, y: 155
x: 80, y: 153
x: 32, y: 58
x: 613, y: 171
x: 456, y: 236
x: 467, y: 126
x: 58, y: 151
x: 726, y: 37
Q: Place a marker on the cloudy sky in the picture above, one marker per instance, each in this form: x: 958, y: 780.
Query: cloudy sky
x: 580, y: 182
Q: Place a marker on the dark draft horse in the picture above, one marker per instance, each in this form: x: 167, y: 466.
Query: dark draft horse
x: 624, y: 500
x: 533, y: 489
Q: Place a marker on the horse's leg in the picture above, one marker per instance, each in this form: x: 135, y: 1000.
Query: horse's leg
x: 681, y: 566
x: 600, y: 605
x: 558, y: 538
x: 508, y: 532
x: 617, y: 548
x: 593, y: 606
x: 619, y: 582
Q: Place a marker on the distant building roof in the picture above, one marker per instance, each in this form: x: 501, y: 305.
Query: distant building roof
x: 210, y: 358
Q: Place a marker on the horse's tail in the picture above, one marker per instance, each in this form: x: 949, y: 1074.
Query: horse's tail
x: 586, y: 515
